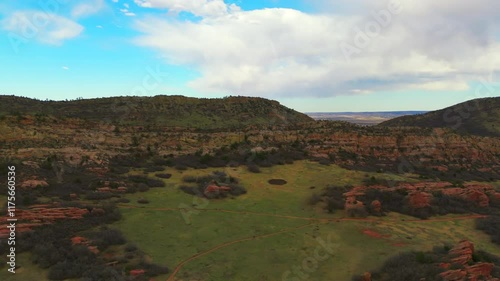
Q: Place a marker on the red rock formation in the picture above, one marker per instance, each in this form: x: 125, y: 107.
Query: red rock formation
x: 444, y: 265
x: 480, y: 269
x: 93, y: 249
x: 137, y: 272
x: 34, y: 183
x: 475, y: 194
x: 38, y: 215
x: 462, y: 253
x: 376, y: 206
x: 419, y: 199
x: 454, y: 275
x: 79, y: 240
x: 216, y: 189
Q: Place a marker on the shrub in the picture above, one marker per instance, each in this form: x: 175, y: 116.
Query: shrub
x: 155, y: 183
x: 152, y: 169
x: 143, y: 201
x: 314, y: 199
x: 189, y: 179
x: 180, y: 167
x: 253, y: 168
x: 163, y: 175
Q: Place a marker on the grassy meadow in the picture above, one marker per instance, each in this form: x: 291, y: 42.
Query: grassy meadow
x: 271, y: 229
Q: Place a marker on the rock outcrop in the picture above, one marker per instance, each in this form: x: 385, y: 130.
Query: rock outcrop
x: 462, y: 254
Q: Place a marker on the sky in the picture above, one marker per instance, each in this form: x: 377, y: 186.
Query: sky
x: 310, y: 55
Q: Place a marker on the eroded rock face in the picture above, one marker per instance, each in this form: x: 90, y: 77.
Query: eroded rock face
x: 454, y: 275
x: 462, y: 254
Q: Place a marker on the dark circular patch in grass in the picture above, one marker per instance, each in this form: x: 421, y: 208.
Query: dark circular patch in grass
x: 277, y: 181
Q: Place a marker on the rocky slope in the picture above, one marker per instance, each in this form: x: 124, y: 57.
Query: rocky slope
x: 477, y: 117
x: 165, y: 111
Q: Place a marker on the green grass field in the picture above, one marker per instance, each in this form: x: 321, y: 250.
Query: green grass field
x: 170, y: 236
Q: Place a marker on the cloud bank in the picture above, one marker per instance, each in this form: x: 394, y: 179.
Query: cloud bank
x: 350, y: 47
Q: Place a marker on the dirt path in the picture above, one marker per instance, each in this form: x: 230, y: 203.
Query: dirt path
x: 180, y: 265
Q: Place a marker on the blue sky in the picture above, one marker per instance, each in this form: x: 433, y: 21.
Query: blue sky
x: 316, y: 55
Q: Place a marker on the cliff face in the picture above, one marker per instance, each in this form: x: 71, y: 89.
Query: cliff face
x: 401, y: 150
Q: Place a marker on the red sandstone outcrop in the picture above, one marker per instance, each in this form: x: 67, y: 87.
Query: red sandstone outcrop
x: 419, y: 199
x: 454, y: 275
x: 470, y: 193
x: 38, y: 215
x: 137, y: 272
x: 376, y: 206
x: 213, y: 187
x: 462, y: 254
x: 34, y: 183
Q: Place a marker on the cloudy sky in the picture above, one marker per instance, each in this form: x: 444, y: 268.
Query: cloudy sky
x: 311, y: 55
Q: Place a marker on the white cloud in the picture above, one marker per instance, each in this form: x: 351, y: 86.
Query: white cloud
x: 126, y: 5
x: 46, y: 28
x: 98, y: 26
x: 429, y: 45
x: 65, y: 68
x: 127, y: 12
x: 202, y: 8
x: 87, y: 8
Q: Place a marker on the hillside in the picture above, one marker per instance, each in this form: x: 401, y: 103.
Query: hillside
x: 476, y: 117
x: 171, y: 111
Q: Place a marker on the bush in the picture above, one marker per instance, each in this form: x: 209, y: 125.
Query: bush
x: 122, y: 200
x: 163, y: 175
x: 130, y: 248
x: 155, y: 183
x: 314, y: 199
x: 180, y: 167
x: 491, y: 226
x: 152, y: 169
x: 253, y: 168
x: 143, y: 201
x: 189, y: 179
